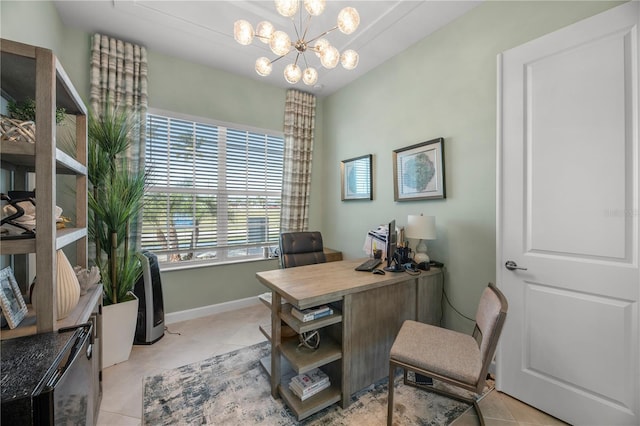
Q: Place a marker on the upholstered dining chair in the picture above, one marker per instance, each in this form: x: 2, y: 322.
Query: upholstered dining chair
x: 301, y: 248
x: 455, y: 358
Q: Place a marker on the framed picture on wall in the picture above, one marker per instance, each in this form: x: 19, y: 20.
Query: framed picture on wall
x: 357, y: 178
x: 418, y: 171
x: 13, y: 307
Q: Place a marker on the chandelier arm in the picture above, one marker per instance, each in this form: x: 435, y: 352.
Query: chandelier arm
x: 296, y: 61
x: 279, y: 57
x: 306, y: 29
x: 323, y: 34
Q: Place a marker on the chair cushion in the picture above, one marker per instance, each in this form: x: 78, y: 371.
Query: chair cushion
x: 301, y: 248
x: 439, y: 350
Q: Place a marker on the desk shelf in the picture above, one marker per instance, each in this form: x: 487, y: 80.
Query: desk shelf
x: 303, y: 327
x: 312, y: 405
x: 305, y: 359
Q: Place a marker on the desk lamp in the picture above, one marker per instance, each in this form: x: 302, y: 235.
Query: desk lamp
x: 422, y: 228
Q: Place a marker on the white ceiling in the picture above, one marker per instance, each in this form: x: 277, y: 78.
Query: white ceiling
x: 202, y: 31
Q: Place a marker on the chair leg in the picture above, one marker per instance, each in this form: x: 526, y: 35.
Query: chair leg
x: 392, y: 370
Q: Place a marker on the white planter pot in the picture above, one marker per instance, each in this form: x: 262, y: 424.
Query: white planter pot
x: 118, y: 331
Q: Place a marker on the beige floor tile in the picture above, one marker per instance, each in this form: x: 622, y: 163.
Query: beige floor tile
x: 525, y: 414
x: 195, y: 340
x: 112, y: 419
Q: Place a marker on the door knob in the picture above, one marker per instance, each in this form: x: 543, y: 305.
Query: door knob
x: 512, y: 266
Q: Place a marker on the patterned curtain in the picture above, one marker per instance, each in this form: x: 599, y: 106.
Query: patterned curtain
x: 299, y: 123
x: 118, y: 78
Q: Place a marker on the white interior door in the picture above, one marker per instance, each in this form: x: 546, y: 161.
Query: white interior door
x: 568, y: 189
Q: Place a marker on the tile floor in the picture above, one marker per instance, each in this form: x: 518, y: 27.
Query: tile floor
x: 190, y: 341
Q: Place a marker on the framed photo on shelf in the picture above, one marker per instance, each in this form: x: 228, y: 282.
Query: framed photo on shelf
x: 418, y: 171
x: 13, y: 307
x: 357, y: 178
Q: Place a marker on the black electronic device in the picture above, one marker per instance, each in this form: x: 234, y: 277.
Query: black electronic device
x: 378, y: 272
x: 424, y: 266
x: 436, y: 264
x: 368, y: 265
x: 148, y: 290
x: 393, y: 260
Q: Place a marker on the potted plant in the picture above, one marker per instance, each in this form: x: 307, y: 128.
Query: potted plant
x: 19, y: 125
x: 115, y: 200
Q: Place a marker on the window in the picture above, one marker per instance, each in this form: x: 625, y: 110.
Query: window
x: 214, y: 192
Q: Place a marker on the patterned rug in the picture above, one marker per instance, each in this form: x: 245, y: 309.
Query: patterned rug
x: 233, y: 389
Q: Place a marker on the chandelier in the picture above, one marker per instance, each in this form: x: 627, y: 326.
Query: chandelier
x: 281, y: 44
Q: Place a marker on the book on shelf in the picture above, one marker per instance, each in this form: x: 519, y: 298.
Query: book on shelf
x: 304, y: 395
x: 307, y: 384
x: 311, y: 313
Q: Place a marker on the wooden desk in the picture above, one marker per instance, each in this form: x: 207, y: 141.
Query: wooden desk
x: 356, y: 340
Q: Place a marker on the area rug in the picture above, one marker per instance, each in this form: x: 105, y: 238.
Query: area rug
x: 233, y: 389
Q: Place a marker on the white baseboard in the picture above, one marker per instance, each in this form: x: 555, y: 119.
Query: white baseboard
x: 204, y: 311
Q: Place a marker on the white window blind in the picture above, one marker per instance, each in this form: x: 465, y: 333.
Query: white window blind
x: 215, y: 191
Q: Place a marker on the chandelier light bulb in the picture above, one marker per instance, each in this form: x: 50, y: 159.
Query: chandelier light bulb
x: 330, y: 57
x: 310, y: 76
x: 263, y: 66
x: 264, y: 30
x: 349, y: 59
x: 292, y: 73
x: 320, y: 45
x: 315, y: 7
x: 287, y: 8
x: 243, y: 32
x: 280, y: 43
x: 348, y: 20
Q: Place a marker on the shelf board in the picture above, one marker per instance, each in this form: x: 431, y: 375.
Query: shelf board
x: 266, y: 330
x: 304, y: 359
x: 79, y: 315
x: 64, y: 237
x: 24, y: 154
x: 302, y: 327
x: 312, y: 405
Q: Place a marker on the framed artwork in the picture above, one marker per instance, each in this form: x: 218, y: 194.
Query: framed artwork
x: 418, y: 171
x: 13, y: 307
x: 357, y: 178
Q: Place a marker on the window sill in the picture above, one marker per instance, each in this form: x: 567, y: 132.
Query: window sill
x: 170, y: 267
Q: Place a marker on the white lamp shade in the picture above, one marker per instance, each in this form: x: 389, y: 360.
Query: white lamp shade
x: 349, y: 59
x: 292, y: 73
x: 320, y: 45
x: 315, y: 7
x: 265, y: 30
x: 280, y: 43
x: 263, y: 66
x: 330, y: 57
x: 310, y: 76
x: 243, y: 32
x: 287, y: 8
x: 348, y: 20
x: 421, y: 227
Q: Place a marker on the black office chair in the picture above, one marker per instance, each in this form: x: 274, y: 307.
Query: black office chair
x: 301, y: 248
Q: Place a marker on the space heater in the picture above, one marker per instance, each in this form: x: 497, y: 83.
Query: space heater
x: 148, y: 290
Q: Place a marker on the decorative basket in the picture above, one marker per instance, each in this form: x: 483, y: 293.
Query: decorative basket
x: 17, y: 131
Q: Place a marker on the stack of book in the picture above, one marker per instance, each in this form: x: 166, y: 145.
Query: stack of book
x: 311, y: 313
x: 308, y: 384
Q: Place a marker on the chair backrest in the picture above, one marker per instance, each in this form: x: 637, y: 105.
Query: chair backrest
x: 301, y: 248
x: 490, y: 317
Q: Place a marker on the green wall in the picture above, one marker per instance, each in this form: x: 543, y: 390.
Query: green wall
x: 443, y: 86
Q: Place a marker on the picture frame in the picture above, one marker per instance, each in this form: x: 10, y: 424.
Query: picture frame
x: 12, y: 303
x: 357, y: 178
x: 418, y: 171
